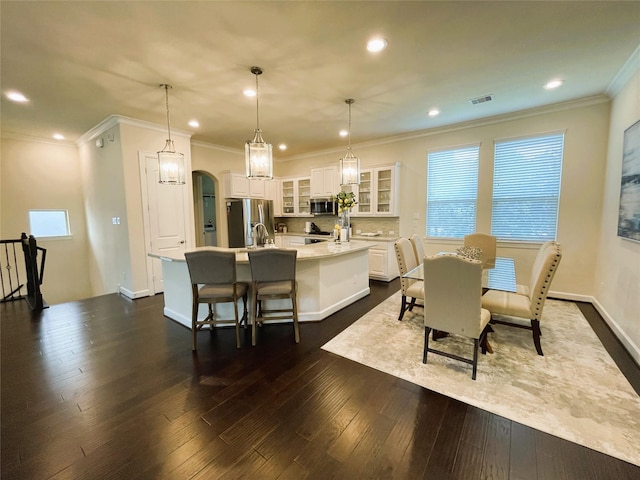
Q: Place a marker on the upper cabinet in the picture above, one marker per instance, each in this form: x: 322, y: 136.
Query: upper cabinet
x: 324, y: 182
x: 295, y: 196
x: 377, y: 193
x: 237, y: 185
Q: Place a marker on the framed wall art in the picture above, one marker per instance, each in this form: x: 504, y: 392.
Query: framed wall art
x: 629, y: 211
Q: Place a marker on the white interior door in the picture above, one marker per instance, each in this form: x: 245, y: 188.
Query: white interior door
x: 166, y: 224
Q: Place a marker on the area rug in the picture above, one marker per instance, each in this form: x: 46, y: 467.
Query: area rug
x: 575, y: 391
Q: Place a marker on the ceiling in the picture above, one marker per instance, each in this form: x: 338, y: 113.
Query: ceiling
x: 80, y: 62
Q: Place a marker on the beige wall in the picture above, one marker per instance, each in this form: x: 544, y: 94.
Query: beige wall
x: 46, y: 175
x: 215, y: 162
x: 617, y: 274
x: 585, y: 124
x: 119, y: 260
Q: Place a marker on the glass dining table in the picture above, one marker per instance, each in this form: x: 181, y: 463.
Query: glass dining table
x: 498, y: 276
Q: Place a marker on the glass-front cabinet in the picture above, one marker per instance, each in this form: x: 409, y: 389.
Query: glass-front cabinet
x: 288, y: 197
x: 304, y: 196
x: 295, y: 196
x: 377, y: 193
x: 384, y: 178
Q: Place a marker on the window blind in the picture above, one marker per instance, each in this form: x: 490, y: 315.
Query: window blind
x: 526, y: 188
x: 452, y: 192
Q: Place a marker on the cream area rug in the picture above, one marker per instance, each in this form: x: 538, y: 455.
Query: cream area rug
x: 575, y: 391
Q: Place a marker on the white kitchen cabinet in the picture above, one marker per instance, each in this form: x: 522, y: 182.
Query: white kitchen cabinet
x: 324, y: 182
x: 377, y: 193
x: 295, y: 194
x: 382, y: 260
x: 237, y: 185
x: 272, y: 192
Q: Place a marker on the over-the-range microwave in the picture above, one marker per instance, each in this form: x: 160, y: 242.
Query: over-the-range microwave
x: 323, y: 206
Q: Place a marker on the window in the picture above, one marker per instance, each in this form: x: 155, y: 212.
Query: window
x: 452, y: 192
x: 49, y: 223
x: 526, y: 188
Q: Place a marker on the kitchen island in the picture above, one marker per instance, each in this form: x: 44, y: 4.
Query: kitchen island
x: 330, y: 276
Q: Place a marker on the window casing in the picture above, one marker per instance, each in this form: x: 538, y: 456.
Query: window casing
x: 452, y: 192
x: 49, y: 223
x: 526, y: 188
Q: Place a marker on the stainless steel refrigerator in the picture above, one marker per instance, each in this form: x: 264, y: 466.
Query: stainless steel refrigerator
x: 242, y: 217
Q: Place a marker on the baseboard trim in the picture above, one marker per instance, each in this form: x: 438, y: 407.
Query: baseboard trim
x: 628, y: 344
x: 133, y: 295
x: 626, y: 341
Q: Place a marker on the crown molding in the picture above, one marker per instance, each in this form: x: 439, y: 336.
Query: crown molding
x: 113, y: 120
x: 213, y: 146
x: 31, y: 139
x: 630, y: 67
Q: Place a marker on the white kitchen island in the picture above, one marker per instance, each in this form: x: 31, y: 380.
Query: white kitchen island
x: 330, y: 276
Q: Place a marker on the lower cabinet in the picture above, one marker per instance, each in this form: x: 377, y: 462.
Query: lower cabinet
x: 382, y: 261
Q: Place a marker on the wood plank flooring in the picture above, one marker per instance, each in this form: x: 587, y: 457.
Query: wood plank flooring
x: 107, y: 388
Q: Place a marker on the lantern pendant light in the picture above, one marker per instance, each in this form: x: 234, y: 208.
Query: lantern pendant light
x: 257, y: 153
x: 349, y: 164
x: 170, y: 162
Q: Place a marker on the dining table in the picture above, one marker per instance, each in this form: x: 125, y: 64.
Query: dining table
x: 496, y: 275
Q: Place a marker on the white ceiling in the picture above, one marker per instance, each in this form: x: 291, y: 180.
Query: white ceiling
x: 79, y: 62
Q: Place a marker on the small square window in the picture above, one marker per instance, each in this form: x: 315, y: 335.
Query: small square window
x: 49, y: 223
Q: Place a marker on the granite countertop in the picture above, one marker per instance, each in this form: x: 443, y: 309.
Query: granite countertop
x: 378, y: 238
x: 312, y: 251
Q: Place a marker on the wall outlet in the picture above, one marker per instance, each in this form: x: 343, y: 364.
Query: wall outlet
x: 380, y: 232
x: 391, y: 232
x: 115, y: 220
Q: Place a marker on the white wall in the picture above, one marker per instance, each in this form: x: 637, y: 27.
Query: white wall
x: 586, y: 125
x: 617, y: 275
x: 46, y: 175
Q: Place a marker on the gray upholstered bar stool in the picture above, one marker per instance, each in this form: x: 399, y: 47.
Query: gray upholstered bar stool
x: 273, y: 272
x: 213, y: 280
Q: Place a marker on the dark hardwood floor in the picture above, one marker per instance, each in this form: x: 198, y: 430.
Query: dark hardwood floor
x: 107, y: 388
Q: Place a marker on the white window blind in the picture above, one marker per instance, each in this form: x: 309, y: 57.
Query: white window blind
x: 526, y: 188
x: 452, y: 192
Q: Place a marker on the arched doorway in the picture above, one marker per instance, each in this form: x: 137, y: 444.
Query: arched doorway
x: 205, y: 205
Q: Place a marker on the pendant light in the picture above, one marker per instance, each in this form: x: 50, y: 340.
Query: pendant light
x: 257, y: 152
x: 349, y: 164
x: 170, y: 162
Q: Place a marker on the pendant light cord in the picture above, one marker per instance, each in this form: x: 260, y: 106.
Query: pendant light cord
x: 257, y: 106
x: 166, y: 91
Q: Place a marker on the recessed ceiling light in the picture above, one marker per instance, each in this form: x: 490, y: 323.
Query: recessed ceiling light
x: 343, y: 133
x: 16, y: 96
x: 553, y: 84
x: 58, y: 136
x: 377, y: 44
x: 249, y: 92
x: 194, y: 123
x: 433, y: 112
x: 282, y: 146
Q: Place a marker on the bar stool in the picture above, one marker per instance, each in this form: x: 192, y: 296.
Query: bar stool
x: 273, y: 272
x: 213, y: 281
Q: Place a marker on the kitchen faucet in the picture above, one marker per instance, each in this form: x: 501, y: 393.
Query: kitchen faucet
x: 259, y: 239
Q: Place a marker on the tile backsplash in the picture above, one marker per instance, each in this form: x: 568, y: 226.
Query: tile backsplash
x: 326, y: 223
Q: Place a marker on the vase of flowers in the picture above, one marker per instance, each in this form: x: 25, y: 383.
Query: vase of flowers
x: 346, y: 201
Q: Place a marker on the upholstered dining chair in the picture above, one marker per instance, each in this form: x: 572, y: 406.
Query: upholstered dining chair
x: 528, y: 301
x: 486, y: 243
x: 273, y: 274
x: 213, y: 281
x: 453, y: 305
x: 411, y: 289
x: 418, y: 247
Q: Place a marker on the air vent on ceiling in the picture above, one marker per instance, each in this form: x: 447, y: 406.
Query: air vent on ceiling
x: 482, y: 99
